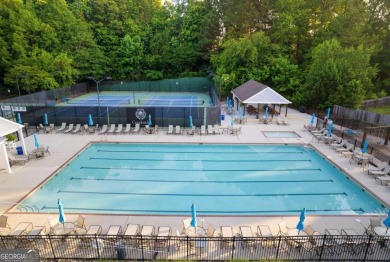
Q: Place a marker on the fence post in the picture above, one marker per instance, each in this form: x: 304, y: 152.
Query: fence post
x: 97, y: 246
x: 322, y: 248
x: 142, y: 248
x: 367, y: 248
x: 187, y: 246
x: 52, y: 248
x: 234, y: 238
x: 277, y: 250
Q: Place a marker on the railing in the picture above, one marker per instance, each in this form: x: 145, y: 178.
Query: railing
x: 299, y: 248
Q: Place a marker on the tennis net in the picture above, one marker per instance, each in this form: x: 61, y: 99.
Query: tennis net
x: 101, y: 101
x: 170, y: 102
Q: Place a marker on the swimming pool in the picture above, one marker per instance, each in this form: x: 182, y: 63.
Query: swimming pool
x: 219, y: 179
x: 278, y: 134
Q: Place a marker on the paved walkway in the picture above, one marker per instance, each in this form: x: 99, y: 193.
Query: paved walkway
x: 63, y: 147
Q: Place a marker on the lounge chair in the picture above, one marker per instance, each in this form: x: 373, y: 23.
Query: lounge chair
x: 283, y: 229
x: 210, y: 231
x: 79, y: 226
x: 4, y: 226
x: 170, y: 130
x: 383, y: 179
x: 62, y: 128
x: 19, y: 159
x: 177, y: 130
x: 216, y: 129
x: 77, y: 129
x: 114, y: 230
x: 186, y: 224
x: 338, y: 145
x: 132, y: 231
x: 104, y: 130
x: 336, y: 141
x: 374, y: 222
x: 210, y: 130
x: 318, y: 130
x: 41, y: 128
x: 321, y: 135
x: 136, y: 129
x: 119, y: 129
x: 351, y: 154
x: 384, y: 172
x: 347, y: 148
x: 380, y: 167
x: 85, y: 128
x: 70, y: 128
x: 155, y: 131
x: 281, y: 121
x: 127, y: 129
x: 162, y: 238
x: 112, y: 129
x: 191, y: 131
x: 227, y: 234
x: 203, y: 130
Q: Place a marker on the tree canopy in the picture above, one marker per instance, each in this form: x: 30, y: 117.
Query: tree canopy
x: 316, y: 53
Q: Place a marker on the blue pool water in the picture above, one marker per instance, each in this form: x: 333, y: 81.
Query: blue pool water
x: 275, y: 134
x: 218, y: 179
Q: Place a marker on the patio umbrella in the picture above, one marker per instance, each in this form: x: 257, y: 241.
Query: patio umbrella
x: 90, y: 121
x: 36, y: 140
x: 232, y: 120
x: 386, y: 222
x: 150, y: 120
x: 19, y: 119
x: 330, y: 127
x: 328, y: 113
x: 240, y: 112
x: 191, y: 122
x: 312, y: 119
x: 302, y: 217
x: 266, y: 112
x: 62, y: 217
x: 365, y: 145
x: 45, y: 122
x: 193, y: 216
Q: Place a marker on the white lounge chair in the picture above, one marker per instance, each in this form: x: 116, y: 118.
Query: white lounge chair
x: 62, y: 128
x: 203, y: 130
x: 20, y: 159
x: 338, y: 145
x: 119, y: 129
x: 177, y: 130
x: 136, y: 129
x: 104, y: 130
x: 127, y: 129
x: 347, y: 148
x: 210, y: 130
x: 112, y: 129
x: 77, y: 129
x: 170, y: 130
x: 70, y: 128
x: 318, y: 130
x: 383, y: 172
x: 380, y: 167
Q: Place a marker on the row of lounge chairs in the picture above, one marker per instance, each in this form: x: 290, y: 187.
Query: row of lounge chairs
x: 105, y: 129
x: 211, y: 130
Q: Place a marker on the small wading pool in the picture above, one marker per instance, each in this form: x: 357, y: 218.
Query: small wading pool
x: 279, y: 134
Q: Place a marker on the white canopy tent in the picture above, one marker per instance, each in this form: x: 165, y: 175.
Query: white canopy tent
x: 9, y: 127
x: 253, y: 92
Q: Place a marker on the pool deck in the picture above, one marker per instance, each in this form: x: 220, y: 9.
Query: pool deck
x: 64, y: 146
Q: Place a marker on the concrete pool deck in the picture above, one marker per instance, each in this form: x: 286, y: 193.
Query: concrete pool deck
x: 63, y: 146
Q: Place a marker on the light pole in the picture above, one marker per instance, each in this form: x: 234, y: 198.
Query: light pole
x: 97, y: 90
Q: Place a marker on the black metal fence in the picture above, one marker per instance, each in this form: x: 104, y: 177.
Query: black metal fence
x: 141, y: 248
x: 354, y: 137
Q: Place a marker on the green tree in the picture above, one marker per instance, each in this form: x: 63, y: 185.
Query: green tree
x: 338, y: 75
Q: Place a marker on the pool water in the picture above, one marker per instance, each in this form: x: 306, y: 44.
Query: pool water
x: 276, y: 134
x: 219, y: 179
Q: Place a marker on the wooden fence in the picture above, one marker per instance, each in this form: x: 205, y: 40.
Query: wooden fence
x: 376, y: 102
x: 361, y: 115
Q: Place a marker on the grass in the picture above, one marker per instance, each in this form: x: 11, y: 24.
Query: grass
x: 385, y: 110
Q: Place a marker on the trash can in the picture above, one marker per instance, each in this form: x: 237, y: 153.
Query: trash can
x: 222, y: 117
x: 120, y: 251
x: 19, y: 149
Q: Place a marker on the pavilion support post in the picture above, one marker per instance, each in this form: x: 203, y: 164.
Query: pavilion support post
x: 286, y: 110
x: 258, y: 111
x: 274, y: 110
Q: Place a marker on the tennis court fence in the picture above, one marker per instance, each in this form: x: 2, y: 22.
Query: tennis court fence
x: 34, y: 107
x: 143, y: 248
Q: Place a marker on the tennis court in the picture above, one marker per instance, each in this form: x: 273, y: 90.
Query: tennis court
x: 138, y: 99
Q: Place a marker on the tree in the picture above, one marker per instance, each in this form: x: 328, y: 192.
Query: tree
x: 338, y: 75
